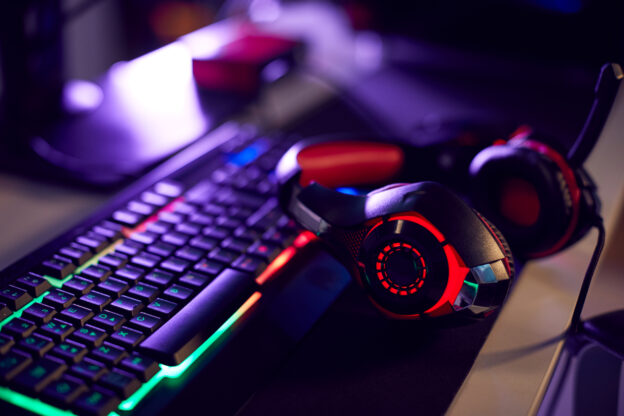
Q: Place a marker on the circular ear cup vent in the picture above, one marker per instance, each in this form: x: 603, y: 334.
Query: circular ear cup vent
x: 503, y: 244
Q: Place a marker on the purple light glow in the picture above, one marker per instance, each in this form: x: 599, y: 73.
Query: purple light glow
x: 81, y: 96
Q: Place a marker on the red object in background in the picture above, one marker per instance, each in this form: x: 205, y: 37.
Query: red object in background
x: 238, y: 65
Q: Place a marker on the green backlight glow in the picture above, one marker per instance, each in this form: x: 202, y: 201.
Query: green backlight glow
x: 18, y: 313
x: 33, y: 405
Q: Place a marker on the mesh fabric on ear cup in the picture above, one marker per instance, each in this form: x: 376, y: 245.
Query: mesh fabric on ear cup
x: 490, y: 172
x: 502, y: 242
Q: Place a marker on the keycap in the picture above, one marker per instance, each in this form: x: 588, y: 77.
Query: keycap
x: 96, y: 272
x: 39, y: 313
x: 177, y: 293
x: 159, y: 278
x: 57, y: 329
x: 248, y: 234
x: 162, y: 308
x: 203, y: 243
x: 127, y: 337
x: 143, y: 367
x: 236, y: 244
x: 140, y: 208
x: 113, y: 287
x: 121, y: 382
x: 38, y: 375
x: 34, y: 284
x: 114, y: 260
x: 209, y: 267
x: 227, y: 222
x: 110, y: 230
x: 19, y: 328
x: 130, y: 247
x: 76, y: 315
x: 201, y: 219
x: 109, y: 354
x: 169, y: 188
x: 58, y: 299
x: 158, y: 227
x: 175, y: 238
x: 14, y: 297
x: 6, y: 342
x: 95, y: 301
x: 58, y: 266
x: 161, y: 249
x: 201, y: 192
x: 64, y: 391
x: 175, y: 264
x: 223, y: 255
x: 194, y: 279
x: 278, y: 237
x: 154, y: 199
x: 170, y: 217
x: 36, y: 344
x: 94, y: 241
x: 144, y: 292
x: 213, y: 209
x: 144, y: 237
x: 177, y: 338
x: 184, y: 208
x: 188, y: 228
x: 78, y: 285
x: 71, y: 352
x: 12, y: 363
x: 147, y: 260
x: 4, y: 311
x: 108, y: 321
x: 76, y: 254
x: 89, y: 336
x: 130, y: 273
x: 218, y: 233
x: 88, y: 370
x: 190, y: 253
x: 145, y: 323
x: 96, y: 403
x: 128, y: 218
x: 249, y: 264
x: 266, y: 251
x: 126, y: 306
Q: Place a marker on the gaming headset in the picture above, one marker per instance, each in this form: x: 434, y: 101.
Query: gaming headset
x: 418, y: 249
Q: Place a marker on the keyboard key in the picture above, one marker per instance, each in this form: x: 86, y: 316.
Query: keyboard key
x: 130, y: 273
x: 169, y: 188
x: 162, y: 308
x: 97, y: 272
x: 202, y: 192
x: 64, y: 391
x: 278, y: 237
x: 175, y: 264
x: 6, y: 342
x: 110, y: 230
x: 130, y: 247
x: 178, y: 293
x: 158, y: 227
x: 39, y: 313
x: 109, y: 321
x: 159, y: 278
x: 19, y: 328
x: 95, y: 301
x: 88, y: 370
x: 76, y: 254
x: 266, y: 251
x: 177, y: 338
x: 109, y: 354
x: 12, y: 363
x: 140, y: 208
x: 114, y: 260
x: 171, y: 217
x: 78, y: 285
x: 36, y: 344
x: 144, y: 237
x: 127, y: 337
x: 204, y: 243
x: 96, y: 403
x: 216, y: 232
x: 121, y: 382
x: 154, y: 199
x: 145, y: 323
x: 161, y: 249
x: 146, y: 260
x: 76, y: 315
x: 14, y: 297
x: 185, y: 208
x: 34, y: 284
x: 175, y: 238
x: 249, y: 264
x: 71, y: 352
x: 96, y: 242
x: 38, y: 375
x: 126, y: 306
x: 190, y: 253
x: 143, y: 367
x: 209, y: 267
x: 89, y: 336
x: 188, y: 228
x: 213, y: 209
x: 58, y: 299
x: 57, y: 330
x: 145, y: 292
x: 227, y: 222
x: 201, y: 219
x: 4, y: 311
x: 128, y: 218
x: 194, y: 279
x: 248, y: 234
x: 236, y: 244
x: 58, y: 266
x: 223, y: 255
x: 113, y: 287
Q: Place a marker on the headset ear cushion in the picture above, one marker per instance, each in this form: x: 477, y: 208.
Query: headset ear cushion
x: 525, y: 194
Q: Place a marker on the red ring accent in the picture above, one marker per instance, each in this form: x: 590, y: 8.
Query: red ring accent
x: 382, y: 275
x: 570, y: 179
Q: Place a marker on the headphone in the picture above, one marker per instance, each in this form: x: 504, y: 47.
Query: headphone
x: 418, y: 249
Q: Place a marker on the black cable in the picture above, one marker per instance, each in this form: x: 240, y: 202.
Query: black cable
x: 574, y: 325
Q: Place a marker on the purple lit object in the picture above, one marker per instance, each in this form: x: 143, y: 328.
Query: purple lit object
x: 81, y: 96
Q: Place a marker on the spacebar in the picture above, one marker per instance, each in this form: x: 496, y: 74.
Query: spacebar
x: 200, y: 318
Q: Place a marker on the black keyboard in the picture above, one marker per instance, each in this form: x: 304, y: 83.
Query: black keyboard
x: 93, y: 321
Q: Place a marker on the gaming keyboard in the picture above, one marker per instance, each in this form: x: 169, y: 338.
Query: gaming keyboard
x: 94, y: 320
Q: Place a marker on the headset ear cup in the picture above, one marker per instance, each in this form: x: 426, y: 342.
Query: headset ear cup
x: 502, y: 242
x: 524, y: 193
